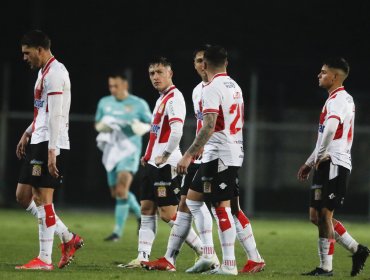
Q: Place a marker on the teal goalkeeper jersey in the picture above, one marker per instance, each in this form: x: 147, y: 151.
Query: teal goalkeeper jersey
x: 125, y: 111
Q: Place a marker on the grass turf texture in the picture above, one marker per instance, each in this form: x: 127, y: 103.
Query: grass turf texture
x: 289, y: 248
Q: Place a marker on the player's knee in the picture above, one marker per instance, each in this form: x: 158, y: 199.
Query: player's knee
x: 23, y: 199
x: 165, y: 217
x: 314, y: 220
x: 121, y: 193
x: 182, y: 205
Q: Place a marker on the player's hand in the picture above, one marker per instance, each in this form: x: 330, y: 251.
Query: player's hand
x: 304, y: 172
x: 52, y: 163
x: 22, y: 144
x: 159, y: 160
x: 102, y: 127
x: 319, y: 161
x: 143, y: 161
x: 183, y: 164
x: 199, y: 155
x: 139, y: 128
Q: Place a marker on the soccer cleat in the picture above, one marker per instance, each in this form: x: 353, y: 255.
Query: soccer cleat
x: 135, y: 263
x: 253, y: 267
x: 204, y: 264
x: 160, y: 264
x: 36, y: 264
x: 69, y: 249
x: 359, y: 259
x: 223, y: 270
x: 113, y: 237
x: 318, y: 271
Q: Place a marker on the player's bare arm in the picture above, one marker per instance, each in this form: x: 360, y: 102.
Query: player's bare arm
x: 21, y: 146
x: 209, y: 123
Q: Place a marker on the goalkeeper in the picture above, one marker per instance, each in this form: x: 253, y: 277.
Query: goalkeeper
x: 121, y: 119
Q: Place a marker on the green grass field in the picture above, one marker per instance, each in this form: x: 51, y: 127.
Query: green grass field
x: 288, y: 247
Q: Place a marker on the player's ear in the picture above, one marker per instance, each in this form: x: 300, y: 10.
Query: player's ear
x: 170, y: 73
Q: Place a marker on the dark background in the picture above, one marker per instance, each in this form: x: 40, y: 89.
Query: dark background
x: 284, y: 42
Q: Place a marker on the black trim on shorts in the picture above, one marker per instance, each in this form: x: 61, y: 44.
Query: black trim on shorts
x: 157, y: 185
x: 34, y: 170
x: 188, y: 178
x: 329, y: 193
x: 214, y: 184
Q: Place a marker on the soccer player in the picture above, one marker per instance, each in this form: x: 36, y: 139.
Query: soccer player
x: 222, y: 138
x: 42, y: 168
x: 331, y: 161
x: 160, y: 183
x: 121, y: 118
x: 183, y: 221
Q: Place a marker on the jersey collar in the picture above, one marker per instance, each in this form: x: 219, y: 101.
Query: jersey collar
x: 167, y: 90
x: 48, y: 63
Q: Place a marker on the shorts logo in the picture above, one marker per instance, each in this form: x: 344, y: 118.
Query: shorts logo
x: 331, y: 196
x: 36, y: 170
x: 317, y: 194
x: 222, y: 186
x: 176, y: 190
x: 207, y: 187
x: 162, y: 192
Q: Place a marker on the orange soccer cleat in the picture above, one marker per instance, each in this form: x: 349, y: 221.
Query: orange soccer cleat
x: 253, y: 267
x: 160, y: 264
x: 69, y: 249
x: 36, y: 264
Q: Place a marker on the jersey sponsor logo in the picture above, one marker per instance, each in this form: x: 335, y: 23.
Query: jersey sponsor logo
x: 38, y: 103
x: 155, y: 128
x: 36, y: 170
x: 199, y: 115
x: 34, y: 161
x: 229, y: 84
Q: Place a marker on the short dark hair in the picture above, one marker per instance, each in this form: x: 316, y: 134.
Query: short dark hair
x: 118, y: 74
x: 337, y: 63
x: 216, y: 56
x: 36, y: 39
x: 201, y: 48
x: 160, y: 60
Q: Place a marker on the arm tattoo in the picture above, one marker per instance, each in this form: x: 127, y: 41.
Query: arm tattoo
x: 209, y: 122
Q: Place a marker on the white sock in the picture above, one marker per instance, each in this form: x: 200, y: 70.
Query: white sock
x: 326, y: 251
x: 32, y: 208
x: 203, y: 222
x: 46, y: 217
x: 344, y: 238
x: 60, y: 228
x: 192, y: 239
x: 147, y: 232
x: 180, y: 230
x: 245, y: 236
x: 227, y: 234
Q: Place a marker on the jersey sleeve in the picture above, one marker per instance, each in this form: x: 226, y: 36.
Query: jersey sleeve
x: 99, y: 111
x: 336, y: 108
x: 211, y: 99
x: 176, y: 109
x: 54, y: 83
x: 145, y: 113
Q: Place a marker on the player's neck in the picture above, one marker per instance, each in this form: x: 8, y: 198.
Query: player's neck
x: 334, y: 87
x: 122, y: 96
x: 213, y: 72
x: 45, y: 59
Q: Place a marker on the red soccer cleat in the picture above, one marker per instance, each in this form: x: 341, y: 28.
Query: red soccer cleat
x: 160, y: 264
x: 69, y: 249
x: 253, y: 267
x: 36, y: 264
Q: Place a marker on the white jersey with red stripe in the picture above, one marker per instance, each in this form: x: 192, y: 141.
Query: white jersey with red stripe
x: 52, y: 79
x: 339, y: 105
x: 197, y: 104
x: 170, y: 107
x: 223, y: 96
